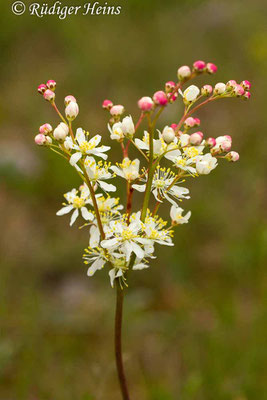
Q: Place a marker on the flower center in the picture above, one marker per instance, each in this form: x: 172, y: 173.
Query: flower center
x: 78, y: 202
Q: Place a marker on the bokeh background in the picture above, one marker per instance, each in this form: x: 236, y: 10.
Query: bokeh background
x: 195, y: 322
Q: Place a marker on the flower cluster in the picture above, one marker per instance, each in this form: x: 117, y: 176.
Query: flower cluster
x: 126, y: 240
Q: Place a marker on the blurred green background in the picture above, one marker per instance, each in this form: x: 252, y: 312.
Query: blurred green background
x: 195, y: 322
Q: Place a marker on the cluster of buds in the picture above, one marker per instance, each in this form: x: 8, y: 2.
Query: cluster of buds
x: 185, y: 72
x: 46, y: 133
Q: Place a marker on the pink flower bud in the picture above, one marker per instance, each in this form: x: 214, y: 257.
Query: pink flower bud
x: 173, y: 97
x: 232, y: 156
x: 107, y: 104
x: 146, y: 104
x: 45, y: 129
x: 189, y: 122
x: 228, y: 137
x: 246, y: 96
x: 72, y: 110
x: 42, y: 88
x: 68, y: 99
x: 246, y: 85
x: 160, y: 98
x: 231, y: 84
x: 174, y: 126
x: 184, y: 72
x: 40, y: 139
x: 206, y: 90
x: 226, y: 145
x: 51, y: 84
x: 196, y: 138
x: 169, y: 86
x: 49, y: 95
x: 117, y: 110
x: 238, y: 90
x: 197, y: 121
x: 211, y: 68
x: 199, y: 66
x: 211, y: 142
x: 219, y: 88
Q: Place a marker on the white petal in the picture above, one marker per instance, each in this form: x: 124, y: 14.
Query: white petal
x: 137, y: 250
x: 97, y: 264
x: 112, y: 274
x: 80, y: 137
x: 140, y: 266
x: 94, y: 236
x: 74, y: 217
x: 107, y: 186
x: 109, y: 243
x: 139, y: 188
x: 75, y: 158
x: 65, y: 210
x: 86, y: 214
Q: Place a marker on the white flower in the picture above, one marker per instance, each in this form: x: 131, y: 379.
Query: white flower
x: 154, y: 230
x: 126, y: 238
x: 116, y: 132
x: 96, y: 257
x: 84, y: 147
x: 206, y: 164
x: 159, y: 145
x: 98, y: 173
x: 176, y: 216
x: 128, y: 126
x: 76, y: 203
x: 191, y: 93
x: 164, y: 186
x: 128, y: 169
x: 109, y: 204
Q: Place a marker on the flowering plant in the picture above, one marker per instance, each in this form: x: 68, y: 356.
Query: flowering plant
x: 125, y: 240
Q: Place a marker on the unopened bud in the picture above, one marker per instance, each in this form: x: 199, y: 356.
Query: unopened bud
x: 72, y: 110
x: 45, y: 129
x: 232, y: 156
x: 169, y: 86
x: 246, y: 96
x: 42, y: 88
x: 40, y: 139
x: 219, y: 88
x: 246, y: 85
x: 196, y: 138
x: 230, y: 84
x: 173, y: 97
x: 117, y: 110
x: 184, y: 72
x: 238, y: 90
x: 49, y: 95
x: 190, y: 122
x: 68, y: 99
x: 211, y: 142
x: 168, y: 134
x: 199, y: 66
x: 160, y: 98
x: 174, y: 126
x: 146, y: 103
x: 206, y: 90
x: 191, y: 93
x: 127, y: 126
x: 61, y: 132
x: 48, y: 140
x: 211, y: 68
x: 107, y: 104
x: 51, y: 84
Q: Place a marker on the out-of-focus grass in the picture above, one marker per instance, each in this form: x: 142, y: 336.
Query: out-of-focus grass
x: 195, y: 322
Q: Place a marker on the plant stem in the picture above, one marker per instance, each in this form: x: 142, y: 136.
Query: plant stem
x: 118, y: 352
